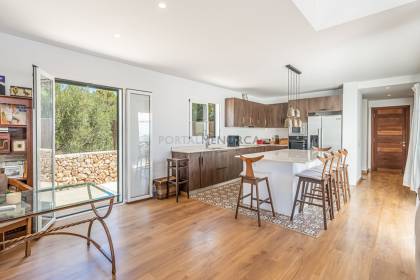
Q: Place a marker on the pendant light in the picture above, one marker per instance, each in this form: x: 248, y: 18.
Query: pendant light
x: 288, y: 122
x: 299, y: 120
x: 297, y: 111
x: 293, y: 91
x: 290, y: 110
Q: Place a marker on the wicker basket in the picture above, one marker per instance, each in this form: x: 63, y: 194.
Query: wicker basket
x: 160, y: 188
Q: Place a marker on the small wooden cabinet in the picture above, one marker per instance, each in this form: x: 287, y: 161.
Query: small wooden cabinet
x: 214, y: 167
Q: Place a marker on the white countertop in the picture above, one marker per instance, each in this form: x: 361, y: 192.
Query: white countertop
x: 288, y: 155
x: 202, y: 148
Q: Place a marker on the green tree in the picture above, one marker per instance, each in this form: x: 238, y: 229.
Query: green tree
x: 85, y: 119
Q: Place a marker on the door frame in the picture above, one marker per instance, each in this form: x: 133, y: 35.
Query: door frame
x: 373, y: 129
x: 37, y: 140
x: 126, y: 151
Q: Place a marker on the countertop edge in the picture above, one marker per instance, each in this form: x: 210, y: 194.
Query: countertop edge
x: 182, y: 150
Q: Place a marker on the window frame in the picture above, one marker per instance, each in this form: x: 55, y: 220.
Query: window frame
x: 206, y: 121
x: 120, y: 165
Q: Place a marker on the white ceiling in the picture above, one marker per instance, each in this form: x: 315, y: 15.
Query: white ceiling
x: 388, y: 92
x: 236, y: 44
x: 323, y: 14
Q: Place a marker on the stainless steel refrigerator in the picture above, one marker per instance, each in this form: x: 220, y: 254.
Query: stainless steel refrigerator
x: 324, y: 130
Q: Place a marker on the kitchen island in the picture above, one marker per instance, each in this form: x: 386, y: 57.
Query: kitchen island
x: 216, y: 164
x: 281, y: 167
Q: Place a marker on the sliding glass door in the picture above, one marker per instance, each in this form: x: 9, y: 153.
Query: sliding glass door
x: 44, y: 145
x: 138, y: 149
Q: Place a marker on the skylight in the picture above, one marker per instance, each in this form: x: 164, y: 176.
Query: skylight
x: 323, y: 14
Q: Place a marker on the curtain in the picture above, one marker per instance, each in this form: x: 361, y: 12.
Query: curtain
x: 412, y: 167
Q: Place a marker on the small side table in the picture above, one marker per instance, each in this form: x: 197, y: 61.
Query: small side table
x: 178, y: 168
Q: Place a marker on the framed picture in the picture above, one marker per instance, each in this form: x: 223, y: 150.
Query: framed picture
x: 19, y: 145
x: 2, y: 85
x: 4, y: 143
x: 20, y: 91
x: 13, y: 114
x: 14, y: 169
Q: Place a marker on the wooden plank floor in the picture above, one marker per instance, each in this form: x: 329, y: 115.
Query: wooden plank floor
x: 371, y: 239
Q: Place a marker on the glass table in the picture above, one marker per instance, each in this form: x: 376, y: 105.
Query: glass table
x: 75, y: 196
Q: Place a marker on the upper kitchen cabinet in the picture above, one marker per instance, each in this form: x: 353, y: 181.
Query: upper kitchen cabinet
x: 276, y: 115
x: 325, y: 103
x: 235, y: 112
x: 244, y: 113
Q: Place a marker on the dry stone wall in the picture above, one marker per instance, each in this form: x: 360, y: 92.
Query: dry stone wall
x: 96, y: 167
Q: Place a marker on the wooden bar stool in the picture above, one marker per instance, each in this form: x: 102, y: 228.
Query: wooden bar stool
x: 344, y: 168
x: 250, y: 178
x: 334, y: 177
x: 338, y: 176
x: 314, y: 185
x: 178, y: 175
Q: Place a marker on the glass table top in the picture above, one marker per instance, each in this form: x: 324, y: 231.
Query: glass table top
x: 64, y: 196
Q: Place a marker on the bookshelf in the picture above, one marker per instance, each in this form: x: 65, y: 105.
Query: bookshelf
x: 17, y: 132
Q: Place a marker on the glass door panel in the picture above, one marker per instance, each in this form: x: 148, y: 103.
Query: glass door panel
x: 44, y: 152
x: 138, y: 149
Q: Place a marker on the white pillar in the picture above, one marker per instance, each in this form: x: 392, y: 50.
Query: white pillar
x: 352, y: 129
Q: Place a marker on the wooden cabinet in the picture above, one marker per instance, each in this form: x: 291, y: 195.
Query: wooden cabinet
x: 303, y: 107
x: 276, y: 115
x: 235, y: 111
x: 325, y: 103
x: 194, y: 172
x: 214, y: 167
x: 19, y: 129
x: 244, y: 113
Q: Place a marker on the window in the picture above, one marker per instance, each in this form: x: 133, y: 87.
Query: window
x: 205, y: 119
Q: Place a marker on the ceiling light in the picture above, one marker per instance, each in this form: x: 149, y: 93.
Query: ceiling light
x: 389, y: 95
x: 162, y: 5
x: 117, y: 35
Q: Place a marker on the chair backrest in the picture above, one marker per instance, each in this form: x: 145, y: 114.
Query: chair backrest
x: 249, y: 171
x: 336, y: 159
x: 326, y: 160
x: 318, y: 149
x: 344, y: 154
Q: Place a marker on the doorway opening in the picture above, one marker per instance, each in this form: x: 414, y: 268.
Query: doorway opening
x: 86, y: 138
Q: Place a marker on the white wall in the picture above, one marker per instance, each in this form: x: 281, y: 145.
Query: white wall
x: 352, y: 108
x: 364, y: 134
x: 169, y: 94
x: 366, y: 159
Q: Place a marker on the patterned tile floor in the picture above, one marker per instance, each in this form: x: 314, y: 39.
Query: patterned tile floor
x: 310, y: 222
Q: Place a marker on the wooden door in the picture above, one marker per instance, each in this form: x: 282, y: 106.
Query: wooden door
x: 390, y: 135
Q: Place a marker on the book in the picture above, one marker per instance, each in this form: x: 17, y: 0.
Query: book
x: 2, y: 85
